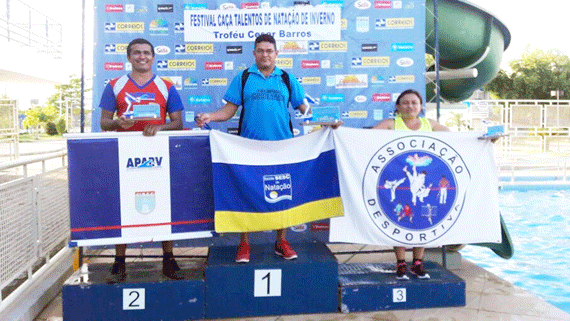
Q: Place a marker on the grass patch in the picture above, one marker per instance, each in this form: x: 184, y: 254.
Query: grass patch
x: 26, y: 138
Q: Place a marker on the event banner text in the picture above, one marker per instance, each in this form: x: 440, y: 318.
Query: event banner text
x: 310, y: 23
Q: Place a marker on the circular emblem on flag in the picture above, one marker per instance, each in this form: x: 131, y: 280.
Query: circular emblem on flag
x: 414, y: 189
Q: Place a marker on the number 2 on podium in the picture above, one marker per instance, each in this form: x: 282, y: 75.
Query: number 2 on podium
x: 267, y: 283
x: 134, y: 299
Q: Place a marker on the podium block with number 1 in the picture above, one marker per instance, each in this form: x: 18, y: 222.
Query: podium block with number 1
x: 269, y: 284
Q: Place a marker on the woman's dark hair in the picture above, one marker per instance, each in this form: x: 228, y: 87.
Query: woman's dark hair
x: 405, y: 92
x: 139, y: 41
x: 409, y: 91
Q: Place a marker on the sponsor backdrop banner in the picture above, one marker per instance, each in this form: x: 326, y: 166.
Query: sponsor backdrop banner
x: 354, y: 55
x: 268, y: 185
x: 420, y: 189
x: 126, y: 188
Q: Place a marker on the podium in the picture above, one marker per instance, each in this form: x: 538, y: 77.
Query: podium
x: 146, y: 294
x: 269, y: 284
x: 374, y: 287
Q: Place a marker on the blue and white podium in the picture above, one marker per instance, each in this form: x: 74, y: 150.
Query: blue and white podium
x: 374, y: 287
x: 267, y: 285
x: 270, y: 285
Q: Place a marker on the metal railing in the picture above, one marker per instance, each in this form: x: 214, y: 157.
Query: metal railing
x: 538, y: 141
x: 34, y: 219
x: 9, y: 127
x: 22, y: 24
x: 535, y: 170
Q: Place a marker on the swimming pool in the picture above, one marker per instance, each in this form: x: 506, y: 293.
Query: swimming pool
x: 538, y: 219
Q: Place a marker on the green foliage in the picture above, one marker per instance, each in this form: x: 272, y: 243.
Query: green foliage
x: 50, y: 128
x: 60, y: 125
x: 38, y: 116
x: 533, y: 76
x: 67, y: 95
x: 430, y: 60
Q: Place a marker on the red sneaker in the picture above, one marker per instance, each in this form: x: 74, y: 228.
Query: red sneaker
x: 418, y: 270
x: 243, y: 252
x: 283, y: 248
x: 401, y: 271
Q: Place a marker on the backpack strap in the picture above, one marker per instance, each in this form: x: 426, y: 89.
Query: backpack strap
x: 285, y: 78
x: 244, y: 77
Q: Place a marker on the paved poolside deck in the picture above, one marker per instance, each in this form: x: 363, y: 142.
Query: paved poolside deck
x: 488, y: 297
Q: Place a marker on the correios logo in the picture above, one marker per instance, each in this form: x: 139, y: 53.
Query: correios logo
x: 414, y: 189
x: 144, y: 162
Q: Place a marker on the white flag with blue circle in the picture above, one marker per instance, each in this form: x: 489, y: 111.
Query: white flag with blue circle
x: 415, y: 188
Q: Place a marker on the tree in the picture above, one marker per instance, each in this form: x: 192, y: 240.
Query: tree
x: 60, y: 126
x: 38, y: 117
x: 66, y: 95
x: 533, y: 76
x: 67, y: 99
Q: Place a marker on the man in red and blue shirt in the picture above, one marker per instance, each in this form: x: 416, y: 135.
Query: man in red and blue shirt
x: 121, y: 95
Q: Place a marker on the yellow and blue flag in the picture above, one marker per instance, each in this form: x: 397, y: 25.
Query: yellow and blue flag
x: 268, y: 185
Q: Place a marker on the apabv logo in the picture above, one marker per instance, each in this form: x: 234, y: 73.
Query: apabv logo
x: 414, y: 189
x: 144, y: 202
x: 277, y: 187
x: 144, y: 162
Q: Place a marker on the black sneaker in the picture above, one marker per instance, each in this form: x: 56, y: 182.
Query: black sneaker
x: 171, y: 270
x: 418, y: 270
x: 401, y: 271
x: 118, y: 273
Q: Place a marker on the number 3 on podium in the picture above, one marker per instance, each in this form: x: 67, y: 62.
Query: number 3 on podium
x: 399, y: 295
x: 267, y: 283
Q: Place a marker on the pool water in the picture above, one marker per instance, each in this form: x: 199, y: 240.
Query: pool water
x: 539, y: 224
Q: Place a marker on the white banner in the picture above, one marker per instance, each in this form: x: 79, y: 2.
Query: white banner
x: 144, y: 172
x: 415, y: 188
x: 292, y: 23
